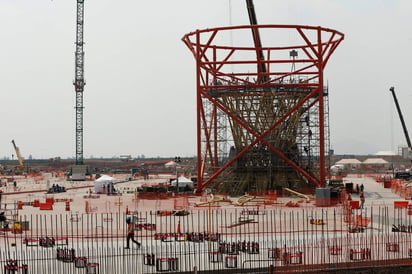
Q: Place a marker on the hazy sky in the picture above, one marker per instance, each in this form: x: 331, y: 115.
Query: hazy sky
x: 140, y: 80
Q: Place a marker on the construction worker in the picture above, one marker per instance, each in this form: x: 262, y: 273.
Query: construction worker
x: 130, y: 234
x: 362, y: 199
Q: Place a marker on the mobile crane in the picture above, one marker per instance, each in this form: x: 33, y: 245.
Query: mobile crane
x: 262, y: 77
x: 405, y: 130
x: 19, y: 158
x: 402, y: 175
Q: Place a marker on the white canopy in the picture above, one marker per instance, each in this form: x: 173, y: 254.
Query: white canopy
x: 375, y: 161
x: 182, y: 182
x: 348, y: 162
x: 101, y: 185
x: 171, y: 164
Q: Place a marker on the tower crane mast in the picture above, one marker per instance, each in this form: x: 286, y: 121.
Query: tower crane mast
x: 79, y: 82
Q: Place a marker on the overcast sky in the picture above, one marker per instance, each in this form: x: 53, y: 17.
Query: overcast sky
x: 140, y: 91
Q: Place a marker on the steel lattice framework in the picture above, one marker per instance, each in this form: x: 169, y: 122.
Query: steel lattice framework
x: 79, y: 82
x: 272, y: 119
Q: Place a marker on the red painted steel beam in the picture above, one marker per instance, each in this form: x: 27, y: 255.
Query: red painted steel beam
x: 211, y: 63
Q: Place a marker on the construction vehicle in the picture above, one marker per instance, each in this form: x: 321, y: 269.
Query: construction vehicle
x: 20, y: 167
x: 256, y: 40
x: 402, y: 174
x: 405, y: 130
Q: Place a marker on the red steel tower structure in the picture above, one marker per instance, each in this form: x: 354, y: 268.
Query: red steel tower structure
x: 262, y: 110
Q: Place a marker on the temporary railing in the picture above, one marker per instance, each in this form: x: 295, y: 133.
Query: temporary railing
x: 208, y: 239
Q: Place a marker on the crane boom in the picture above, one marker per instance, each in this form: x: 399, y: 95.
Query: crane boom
x: 18, y: 154
x: 262, y: 77
x: 405, y: 130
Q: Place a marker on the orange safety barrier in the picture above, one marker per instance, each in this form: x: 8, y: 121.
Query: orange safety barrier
x: 387, y: 183
x: 36, y: 203
x: 362, y: 221
x: 400, y: 204
x: 354, y: 204
x: 164, y: 212
x: 181, y: 203
x: 270, y: 198
x: 408, y: 193
x: 46, y: 206
x: 50, y: 201
x: 86, y: 207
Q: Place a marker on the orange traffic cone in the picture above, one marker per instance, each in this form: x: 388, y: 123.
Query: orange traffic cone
x: 178, y: 227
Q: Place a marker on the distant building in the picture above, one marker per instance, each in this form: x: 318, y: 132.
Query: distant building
x: 375, y: 164
x: 349, y: 164
x: 385, y: 153
x: 405, y: 152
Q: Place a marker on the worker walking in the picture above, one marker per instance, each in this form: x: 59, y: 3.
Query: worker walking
x: 362, y: 199
x: 130, y: 234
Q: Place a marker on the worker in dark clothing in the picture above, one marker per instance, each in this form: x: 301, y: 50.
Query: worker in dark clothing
x: 362, y: 199
x: 130, y: 234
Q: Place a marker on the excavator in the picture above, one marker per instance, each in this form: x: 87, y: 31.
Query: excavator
x: 20, y: 167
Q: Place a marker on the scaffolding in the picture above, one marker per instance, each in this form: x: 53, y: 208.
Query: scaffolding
x: 262, y: 129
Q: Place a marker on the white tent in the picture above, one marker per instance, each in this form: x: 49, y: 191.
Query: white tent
x: 375, y: 161
x: 183, y: 182
x: 103, y: 184
x: 348, y: 162
x: 171, y: 164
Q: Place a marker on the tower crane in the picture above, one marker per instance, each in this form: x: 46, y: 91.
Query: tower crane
x: 79, y: 82
x: 79, y: 170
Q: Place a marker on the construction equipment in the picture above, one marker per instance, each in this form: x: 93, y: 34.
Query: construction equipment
x: 79, y: 171
x: 405, y: 130
x: 262, y: 77
x: 19, y: 158
x: 402, y: 175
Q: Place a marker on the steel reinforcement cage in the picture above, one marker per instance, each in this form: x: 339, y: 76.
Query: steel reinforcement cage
x: 261, y: 111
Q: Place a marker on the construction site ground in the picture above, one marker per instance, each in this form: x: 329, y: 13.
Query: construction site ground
x: 170, y: 224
